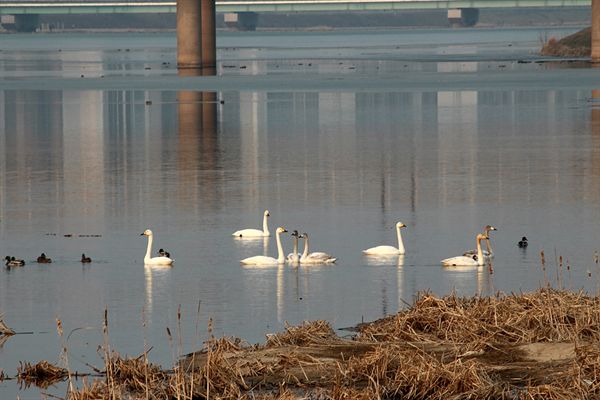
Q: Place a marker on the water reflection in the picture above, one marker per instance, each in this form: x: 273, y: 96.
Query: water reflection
x: 351, y: 163
x: 157, y: 284
x: 252, y: 243
x: 198, y: 145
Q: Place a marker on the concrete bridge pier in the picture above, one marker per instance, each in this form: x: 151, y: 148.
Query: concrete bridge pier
x: 596, y: 31
x: 20, y: 22
x: 243, y: 21
x: 463, y: 16
x: 196, y: 35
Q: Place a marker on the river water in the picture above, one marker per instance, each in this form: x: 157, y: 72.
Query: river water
x: 340, y: 134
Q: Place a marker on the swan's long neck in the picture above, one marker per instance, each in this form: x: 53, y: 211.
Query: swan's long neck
x: 280, y: 256
x: 266, y: 226
x: 149, y: 248
x: 479, y: 252
x: 488, y: 245
x: 400, y: 242
x: 305, y: 252
x: 295, y: 252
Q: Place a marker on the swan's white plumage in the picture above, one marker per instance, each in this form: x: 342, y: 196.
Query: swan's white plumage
x: 388, y: 250
x: 154, y: 260
x: 467, y: 261
x: 254, y: 233
x: 317, y: 257
x: 265, y: 260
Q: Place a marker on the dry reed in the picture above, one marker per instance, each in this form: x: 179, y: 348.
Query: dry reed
x: 4, y: 329
x: 540, y: 345
x: 42, y: 374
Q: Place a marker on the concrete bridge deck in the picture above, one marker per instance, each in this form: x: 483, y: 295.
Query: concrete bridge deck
x: 237, y: 6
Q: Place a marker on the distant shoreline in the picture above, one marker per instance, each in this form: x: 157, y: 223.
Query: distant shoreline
x: 308, y: 29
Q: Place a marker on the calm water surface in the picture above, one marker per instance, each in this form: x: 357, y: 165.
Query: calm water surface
x: 92, y: 154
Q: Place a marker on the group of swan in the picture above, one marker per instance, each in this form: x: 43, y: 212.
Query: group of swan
x: 470, y: 258
x: 293, y: 258
x: 317, y: 257
x: 474, y: 257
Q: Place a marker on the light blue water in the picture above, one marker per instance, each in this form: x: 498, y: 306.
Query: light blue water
x: 339, y: 134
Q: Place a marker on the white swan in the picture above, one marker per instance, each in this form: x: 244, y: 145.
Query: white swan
x: 254, y: 233
x: 318, y: 257
x: 388, y: 250
x: 487, y: 254
x: 294, y: 256
x: 467, y: 261
x: 154, y: 260
x: 265, y: 260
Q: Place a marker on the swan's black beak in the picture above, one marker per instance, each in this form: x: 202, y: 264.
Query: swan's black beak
x: 142, y: 234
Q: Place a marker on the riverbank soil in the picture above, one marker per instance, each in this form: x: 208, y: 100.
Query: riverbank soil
x: 541, y: 345
x: 578, y: 44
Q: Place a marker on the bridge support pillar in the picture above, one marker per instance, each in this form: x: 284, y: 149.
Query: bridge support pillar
x: 196, y: 35
x: 209, y: 37
x: 463, y: 16
x: 189, y: 48
x: 596, y: 31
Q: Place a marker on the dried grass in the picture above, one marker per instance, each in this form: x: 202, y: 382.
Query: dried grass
x: 473, y: 323
x: 497, y: 347
x: 4, y: 329
x: 43, y: 374
x: 309, y: 333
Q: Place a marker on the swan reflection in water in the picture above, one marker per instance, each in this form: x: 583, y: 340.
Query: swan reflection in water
x: 247, y: 243
x: 395, y: 259
x: 463, y: 275
x: 157, y: 277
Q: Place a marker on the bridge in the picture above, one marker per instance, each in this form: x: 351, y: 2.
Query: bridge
x: 198, y: 24
x: 23, y: 14
x: 236, y: 6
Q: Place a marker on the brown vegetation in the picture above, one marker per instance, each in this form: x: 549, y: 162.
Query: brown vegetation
x: 541, y: 345
x: 42, y: 374
x: 578, y: 44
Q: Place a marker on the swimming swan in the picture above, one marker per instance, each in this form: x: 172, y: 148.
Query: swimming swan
x: 467, y: 261
x: 254, y: 233
x: 154, y: 260
x: 265, y: 260
x: 294, y: 256
x: 85, y: 259
x: 487, y: 254
x: 318, y: 257
x: 388, y: 250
